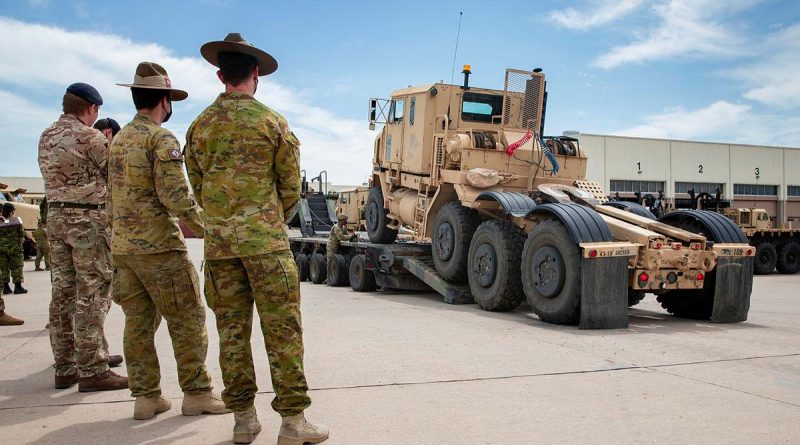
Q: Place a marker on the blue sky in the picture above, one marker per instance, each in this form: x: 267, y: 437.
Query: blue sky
x: 688, y: 69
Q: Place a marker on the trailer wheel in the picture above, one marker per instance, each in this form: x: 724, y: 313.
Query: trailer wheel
x: 634, y: 297
x: 377, y: 220
x: 301, y: 260
x: 493, y: 266
x: 317, y: 269
x: 789, y: 258
x: 337, y: 270
x: 766, y: 259
x: 361, y: 279
x: 452, y: 233
x: 551, y: 273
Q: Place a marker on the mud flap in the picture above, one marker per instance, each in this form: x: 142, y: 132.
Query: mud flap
x: 734, y: 283
x: 604, y: 293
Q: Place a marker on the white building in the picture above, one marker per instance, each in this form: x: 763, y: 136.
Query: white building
x: 748, y: 175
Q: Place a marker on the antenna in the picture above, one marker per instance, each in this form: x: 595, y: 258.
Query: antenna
x: 455, y: 53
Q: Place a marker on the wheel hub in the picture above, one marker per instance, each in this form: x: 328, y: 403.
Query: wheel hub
x: 372, y: 216
x: 548, y: 271
x: 445, y: 241
x: 485, y: 265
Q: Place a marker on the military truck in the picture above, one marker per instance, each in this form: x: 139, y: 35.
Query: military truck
x: 28, y: 212
x: 509, y: 213
x: 353, y: 204
x: 775, y: 248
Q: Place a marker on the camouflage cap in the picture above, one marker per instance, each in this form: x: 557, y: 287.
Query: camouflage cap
x: 235, y: 43
x: 341, y: 216
x: 152, y: 76
x: 86, y: 92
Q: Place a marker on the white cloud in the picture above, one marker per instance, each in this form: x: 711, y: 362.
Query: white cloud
x: 774, y: 79
x: 720, y: 121
x: 47, y: 59
x: 604, y: 12
x: 684, y: 28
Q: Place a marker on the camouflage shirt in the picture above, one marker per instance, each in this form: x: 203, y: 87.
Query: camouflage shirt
x: 148, y: 191
x: 40, y: 235
x: 244, y: 167
x: 73, y: 160
x: 11, y: 235
x: 338, y: 234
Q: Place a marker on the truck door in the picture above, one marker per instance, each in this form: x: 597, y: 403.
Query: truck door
x: 394, y: 133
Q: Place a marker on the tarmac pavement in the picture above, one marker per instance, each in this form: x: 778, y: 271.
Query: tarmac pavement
x: 405, y: 368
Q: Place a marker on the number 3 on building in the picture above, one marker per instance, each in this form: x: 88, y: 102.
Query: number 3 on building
x: 758, y: 171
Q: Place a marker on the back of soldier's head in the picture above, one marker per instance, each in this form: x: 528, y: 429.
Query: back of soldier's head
x: 236, y: 67
x: 107, y: 124
x: 8, y: 209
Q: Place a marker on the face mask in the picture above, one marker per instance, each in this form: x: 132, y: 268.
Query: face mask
x: 255, y: 88
x: 169, y: 113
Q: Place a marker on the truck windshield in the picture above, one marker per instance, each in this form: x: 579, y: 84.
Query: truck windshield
x: 479, y: 107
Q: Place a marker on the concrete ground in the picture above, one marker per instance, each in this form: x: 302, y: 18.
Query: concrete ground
x: 399, y: 368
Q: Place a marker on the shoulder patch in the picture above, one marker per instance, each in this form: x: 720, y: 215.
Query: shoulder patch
x: 175, y: 154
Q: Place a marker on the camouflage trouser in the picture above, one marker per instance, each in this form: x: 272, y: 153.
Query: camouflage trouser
x: 11, y: 266
x: 42, y: 252
x: 81, y: 278
x: 166, y: 284
x: 231, y: 288
x: 2, y: 304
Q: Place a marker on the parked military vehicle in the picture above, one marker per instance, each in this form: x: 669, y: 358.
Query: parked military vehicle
x: 509, y: 214
x: 28, y: 212
x: 776, y: 248
x: 353, y: 204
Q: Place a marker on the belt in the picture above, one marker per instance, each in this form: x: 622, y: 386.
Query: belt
x: 74, y: 205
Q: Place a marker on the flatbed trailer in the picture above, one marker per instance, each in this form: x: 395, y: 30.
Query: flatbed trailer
x: 407, y: 265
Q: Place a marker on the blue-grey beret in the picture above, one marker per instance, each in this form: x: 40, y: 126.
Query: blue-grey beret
x: 85, y: 92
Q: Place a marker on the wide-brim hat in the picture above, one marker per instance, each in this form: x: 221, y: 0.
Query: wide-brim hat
x: 235, y: 43
x: 152, y: 76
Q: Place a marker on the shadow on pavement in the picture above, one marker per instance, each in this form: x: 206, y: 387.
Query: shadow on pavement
x: 125, y: 431
x: 25, y: 334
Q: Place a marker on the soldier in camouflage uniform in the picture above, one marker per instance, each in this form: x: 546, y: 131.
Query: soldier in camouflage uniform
x: 339, y: 233
x: 42, y: 247
x: 153, y: 274
x: 243, y: 164
x: 73, y: 161
x: 12, y: 235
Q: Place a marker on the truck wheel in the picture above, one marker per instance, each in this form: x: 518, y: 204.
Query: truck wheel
x: 634, y: 297
x: 376, y: 219
x: 766, y: 259
x: 452, y: 233
x: 551, y: 273
x: 317, y: 270
x: 789, y: 258
x: 301, y: 260
x: 693, y: 304
x: 493, y: 266
x: 337, y: 270
x: 361, y: 279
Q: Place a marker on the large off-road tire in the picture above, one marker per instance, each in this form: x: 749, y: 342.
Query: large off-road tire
x: 551, y: 273
x: 361, y: 279
x: 766, y: 258
x: 337, y: 270
x: 789, y: 258
x: 317, y: 270
x: 493, y: 266
x: 699, y: 304
x: 634, y: 297
x: 452, y: 232
x: 301, y: 260
x: 376, y: 219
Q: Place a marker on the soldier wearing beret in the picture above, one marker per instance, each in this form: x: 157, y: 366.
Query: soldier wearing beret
x: 73, y: 159
x: 153, y: 275
x: 243, y: 163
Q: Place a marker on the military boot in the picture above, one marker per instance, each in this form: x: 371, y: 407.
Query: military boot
x: 295, y: 430
x: 107, y: 381
x: 18, y: 289
x: 247, y: 425
x: 147, y: 407
x: 203, y: 403
x: 6, y: 289
x: 66, y: 381
x: 7, y: 320
x: 38, y: 269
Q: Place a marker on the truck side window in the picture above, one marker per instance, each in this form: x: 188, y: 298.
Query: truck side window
x: 411, y: 111
x: 479, y: 107
x: 396, y: 113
